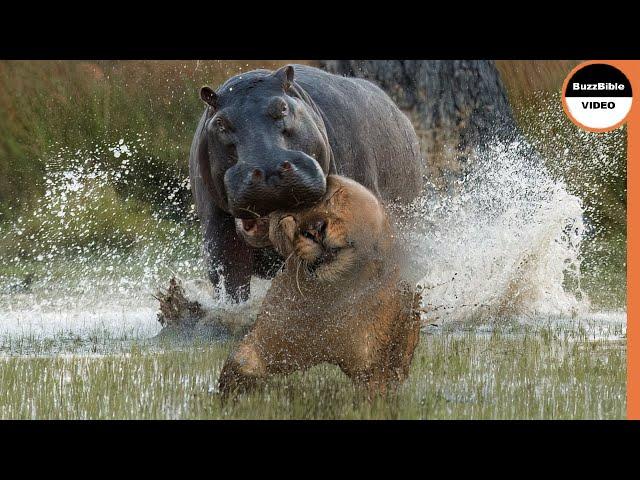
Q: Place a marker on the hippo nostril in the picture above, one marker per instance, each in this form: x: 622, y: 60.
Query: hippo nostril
x: 285, y: 166
x: 256, y: 174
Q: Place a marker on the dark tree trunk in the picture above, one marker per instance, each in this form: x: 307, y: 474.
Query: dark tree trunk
x: 454, y: 105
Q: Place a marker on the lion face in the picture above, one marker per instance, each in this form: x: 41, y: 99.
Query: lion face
x: 322, y: 245
x: 347, y: 229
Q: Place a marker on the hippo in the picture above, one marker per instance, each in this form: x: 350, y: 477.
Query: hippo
x: 267, y: 141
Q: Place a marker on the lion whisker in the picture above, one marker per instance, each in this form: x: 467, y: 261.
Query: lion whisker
x: 287, y: 259
x: 297, y: 280
x: 251, y: 211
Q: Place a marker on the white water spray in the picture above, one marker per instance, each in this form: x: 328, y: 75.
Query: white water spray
x: 505, y: 244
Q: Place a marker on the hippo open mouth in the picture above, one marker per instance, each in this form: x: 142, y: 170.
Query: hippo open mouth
x: 255, y: 231
x: 249, y: 225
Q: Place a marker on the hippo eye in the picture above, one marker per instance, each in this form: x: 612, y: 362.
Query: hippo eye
x: 278, y: 108
x: 220, y: 125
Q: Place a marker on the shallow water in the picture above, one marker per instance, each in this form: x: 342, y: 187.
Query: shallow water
x: 36, y: 324
x: 501, y: 248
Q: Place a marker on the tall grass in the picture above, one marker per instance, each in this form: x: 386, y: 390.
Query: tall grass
x: 453, y: 376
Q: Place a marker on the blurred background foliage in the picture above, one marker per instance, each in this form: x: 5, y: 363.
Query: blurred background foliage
x: 48, y: 104
x: 83, y: 106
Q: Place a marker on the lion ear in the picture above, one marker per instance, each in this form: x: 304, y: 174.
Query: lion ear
x: 285, y: 75
x: 336, y: 192
x: 282, y: 232
x: 288, y: 225
x: 209, y: 96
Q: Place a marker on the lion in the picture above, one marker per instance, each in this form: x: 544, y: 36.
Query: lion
x: 339, y: 298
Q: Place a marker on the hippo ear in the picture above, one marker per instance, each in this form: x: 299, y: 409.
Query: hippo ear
x: 285, y: 75
x: 209, y: 97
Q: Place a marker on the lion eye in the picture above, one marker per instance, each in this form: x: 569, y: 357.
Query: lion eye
x: 316, y: 231
x: 309, y: 235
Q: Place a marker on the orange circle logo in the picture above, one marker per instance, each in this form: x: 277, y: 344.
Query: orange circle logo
x: 597, y: 97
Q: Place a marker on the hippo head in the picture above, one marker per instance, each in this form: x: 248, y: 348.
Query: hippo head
x: 267, y: 144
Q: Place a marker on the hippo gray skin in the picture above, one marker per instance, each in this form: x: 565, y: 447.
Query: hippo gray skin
x: 267, y: 140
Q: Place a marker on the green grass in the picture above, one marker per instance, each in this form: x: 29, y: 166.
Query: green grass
x: 455, y: 375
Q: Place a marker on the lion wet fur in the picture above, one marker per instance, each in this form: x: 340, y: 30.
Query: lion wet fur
x: 358, y: 315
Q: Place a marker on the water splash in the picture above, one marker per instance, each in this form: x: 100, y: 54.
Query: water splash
x: 89, y: 216
x: 91, y: 252
x: 505, y: 243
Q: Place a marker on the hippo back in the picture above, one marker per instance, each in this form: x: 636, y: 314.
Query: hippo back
x: 373, y: 142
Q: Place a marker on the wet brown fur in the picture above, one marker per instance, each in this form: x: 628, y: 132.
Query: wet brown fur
x: 352, y: 310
